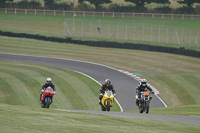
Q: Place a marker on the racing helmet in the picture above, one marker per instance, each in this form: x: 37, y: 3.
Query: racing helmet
x: 107, y: 82
x: 49, y: 80
x: 144, y: 82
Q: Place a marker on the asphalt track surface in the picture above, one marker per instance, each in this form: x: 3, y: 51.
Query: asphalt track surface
x: 124, y: 85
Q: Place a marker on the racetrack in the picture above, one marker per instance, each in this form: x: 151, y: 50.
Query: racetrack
x: 124, y: 84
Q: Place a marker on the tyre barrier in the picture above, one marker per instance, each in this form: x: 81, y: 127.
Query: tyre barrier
x: 145, y: 47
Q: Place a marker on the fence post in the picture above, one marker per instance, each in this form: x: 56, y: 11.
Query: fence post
x: 82, y: 28
x: 35, y: 11
x: 182, y: 37
x: 142, y: 15
x: 44, y: 11
x: 153, y: 16
x: 103, y: 14
x: 198, y: 39
x: 90, y: 29
x: 172, y: 16
x: 108, y: 29
x: 167, y: 36
x: 54, y: 13
x: 15, y: 11
x: 151, y: 31
x: 63, y: 13
x: 159, y: 33
x: 5, y: 10
x: 93, y: 14
x: 134, y: 30
x: 190, y: 37
x: 133, y: 15
x: 122, y: 15
x: 126, y: 33
x: 117, y: 30
x: 182, y: 16
x: 162, y: 16
x: 143, y: 32
x: 113, y: 15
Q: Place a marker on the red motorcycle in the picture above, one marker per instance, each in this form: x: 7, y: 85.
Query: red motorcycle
x: 47, y: 97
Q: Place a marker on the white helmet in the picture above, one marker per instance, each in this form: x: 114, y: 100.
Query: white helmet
x: 48, y: 79
x: 107, y: 81
x: 144, y: 82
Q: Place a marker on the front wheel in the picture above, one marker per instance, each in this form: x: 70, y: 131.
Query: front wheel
x: 108, y: 106
x: 48, y: 102
x: 141, y: 107
x: 147, y: 108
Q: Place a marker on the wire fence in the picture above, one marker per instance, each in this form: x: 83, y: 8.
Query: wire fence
x: 100, y: 14
x: 133, y: 32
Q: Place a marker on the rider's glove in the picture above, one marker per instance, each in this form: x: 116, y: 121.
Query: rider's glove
x: 114, y: 94
x: 42, y: 91
x: 54, y: 93
x: 101, y: 94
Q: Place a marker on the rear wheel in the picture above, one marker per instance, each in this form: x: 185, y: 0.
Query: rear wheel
x: 108, y: 106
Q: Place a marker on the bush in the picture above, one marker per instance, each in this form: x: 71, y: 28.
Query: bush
x: 26, y: 4
x: 118, y: 8
x: 163, y: 10
x: 85, y: 7
x: 197, y: 10
x: 185, y: 10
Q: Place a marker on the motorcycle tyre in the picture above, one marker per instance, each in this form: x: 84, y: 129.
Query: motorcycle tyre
x: 103, y: 108
x: 147, y: 108
x: 108, y: 106
x: 48, y: 103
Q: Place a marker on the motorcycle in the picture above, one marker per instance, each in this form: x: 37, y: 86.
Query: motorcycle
x: 47, y: 97
x: 144, y: 103
x: 107, y: 101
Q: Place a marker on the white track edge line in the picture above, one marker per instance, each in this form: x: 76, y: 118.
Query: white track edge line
x: 100, y: 84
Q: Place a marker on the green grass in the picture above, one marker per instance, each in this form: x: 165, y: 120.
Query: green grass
x: 176, y: 77
x: 54, y: 26
x: 20, y: 84
x: 192, y: 110
x: 23, y: 119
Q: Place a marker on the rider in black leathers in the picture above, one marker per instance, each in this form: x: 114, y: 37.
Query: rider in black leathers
x: 141, y: 88
x: 47, y: 84
x: 104, y: 87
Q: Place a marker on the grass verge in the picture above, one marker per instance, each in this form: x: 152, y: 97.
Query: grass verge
x: 178, y: 110
x: 20, y: 85
x: 23, y: 119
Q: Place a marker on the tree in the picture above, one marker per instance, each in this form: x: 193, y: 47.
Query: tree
x: 141, y: 3
x: 3, y: 3
x: 97, y: 3
x: 188, y: 2
x: 49, y: 3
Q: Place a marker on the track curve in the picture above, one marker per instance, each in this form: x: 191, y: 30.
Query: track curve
x: 124, y: 85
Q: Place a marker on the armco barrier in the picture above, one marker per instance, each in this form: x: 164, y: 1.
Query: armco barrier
x: 145, y: 47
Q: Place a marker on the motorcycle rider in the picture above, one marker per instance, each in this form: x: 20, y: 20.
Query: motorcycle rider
x: 47, y: 84
x: 142, y: 86
x: 106, y: 86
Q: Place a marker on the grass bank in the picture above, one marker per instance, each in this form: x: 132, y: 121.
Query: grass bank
x: 20, y: 84
x: 23, y: 119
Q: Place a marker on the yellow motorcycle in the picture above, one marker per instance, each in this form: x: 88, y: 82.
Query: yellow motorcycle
x: 107, y: 101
